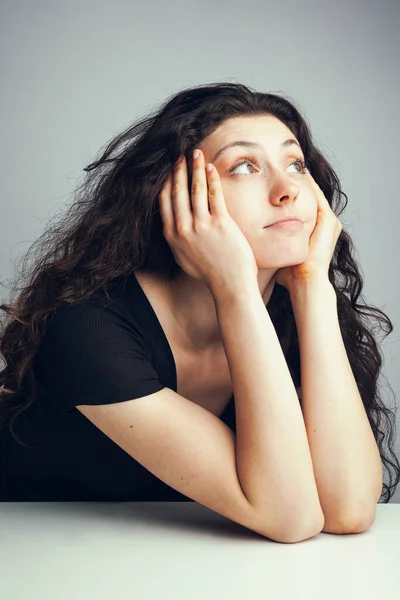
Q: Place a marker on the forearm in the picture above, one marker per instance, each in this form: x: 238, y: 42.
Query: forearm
x: 344, y: 452
x: 272, y: 454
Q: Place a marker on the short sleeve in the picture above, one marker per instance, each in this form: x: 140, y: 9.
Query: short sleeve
x: 94, y: 356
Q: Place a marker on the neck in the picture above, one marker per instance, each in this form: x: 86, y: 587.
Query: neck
x: 193, y: 309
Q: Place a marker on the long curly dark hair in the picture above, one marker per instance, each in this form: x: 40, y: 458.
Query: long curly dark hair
x: 114, y: 227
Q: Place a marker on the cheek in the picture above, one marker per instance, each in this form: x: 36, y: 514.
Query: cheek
x: 245, y: 219
x: 238, y: 207
x: 244, y: 205
x: 309, y: 212
x: 313, y: 221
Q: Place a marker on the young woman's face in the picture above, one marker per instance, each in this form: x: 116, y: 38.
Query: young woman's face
x: 266, y: 186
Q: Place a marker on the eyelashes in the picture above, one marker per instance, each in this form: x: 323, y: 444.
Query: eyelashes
x: 253, y: 161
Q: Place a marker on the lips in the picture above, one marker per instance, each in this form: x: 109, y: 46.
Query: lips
x: 284, y: 219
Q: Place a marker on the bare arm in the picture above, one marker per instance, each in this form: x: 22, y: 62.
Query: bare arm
x: 194, y: 452
x: 273, y: 458
x: 345, y: 455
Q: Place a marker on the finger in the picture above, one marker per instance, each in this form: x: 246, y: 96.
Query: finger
x: 180, y: 198
x: 215, y: 193
x: 323, y: 203
x: 165, y: 204
x: 199, y: 192
x: 319, y: 192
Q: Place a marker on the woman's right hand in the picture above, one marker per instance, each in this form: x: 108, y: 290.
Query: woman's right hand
x: 205, y: 241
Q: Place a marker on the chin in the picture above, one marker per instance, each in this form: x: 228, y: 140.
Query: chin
x: 278, y: 262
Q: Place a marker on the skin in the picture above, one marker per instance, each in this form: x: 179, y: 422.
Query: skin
x: 255, y: 196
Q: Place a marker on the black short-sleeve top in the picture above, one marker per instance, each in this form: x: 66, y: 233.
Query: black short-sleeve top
x: 101, y: 351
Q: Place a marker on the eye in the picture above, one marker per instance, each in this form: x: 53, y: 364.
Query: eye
x: 248, y: 160
x: 302, y: 164
x: 251, y: 160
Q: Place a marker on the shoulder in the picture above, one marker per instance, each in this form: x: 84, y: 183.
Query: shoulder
x: 107, y: 322
x: 95, y: 353
x: 91, y: 326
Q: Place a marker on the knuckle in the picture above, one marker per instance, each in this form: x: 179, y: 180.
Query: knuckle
x: 200, y: 226
x: 182, y: 228
x: 197, y: 187
x: 167, y: 233
x: 212, y: 192
x: 177, y: 187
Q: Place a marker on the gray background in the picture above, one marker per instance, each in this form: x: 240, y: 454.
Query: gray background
x: 74, y: 74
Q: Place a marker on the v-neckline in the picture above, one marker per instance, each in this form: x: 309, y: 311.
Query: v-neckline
x: 159, y: 328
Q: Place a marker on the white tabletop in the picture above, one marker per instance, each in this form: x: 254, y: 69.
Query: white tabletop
x: 184, y: 551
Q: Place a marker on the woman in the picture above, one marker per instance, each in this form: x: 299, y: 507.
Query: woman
x: 140, y: 360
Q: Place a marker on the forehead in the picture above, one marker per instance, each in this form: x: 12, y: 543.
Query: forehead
x: 267, y: 130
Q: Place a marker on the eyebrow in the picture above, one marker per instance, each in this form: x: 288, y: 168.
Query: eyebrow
x: 246, y: 144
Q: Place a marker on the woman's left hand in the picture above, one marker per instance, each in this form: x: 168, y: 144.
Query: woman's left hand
x: 322, y: 244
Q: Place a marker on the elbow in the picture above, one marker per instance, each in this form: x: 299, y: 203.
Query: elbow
x: 343, y: 524
x: 293, y: 536
x: 298, y: 530
x: 307, y: 531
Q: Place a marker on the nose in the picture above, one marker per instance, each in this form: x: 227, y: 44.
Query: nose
x: 282, y: 189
